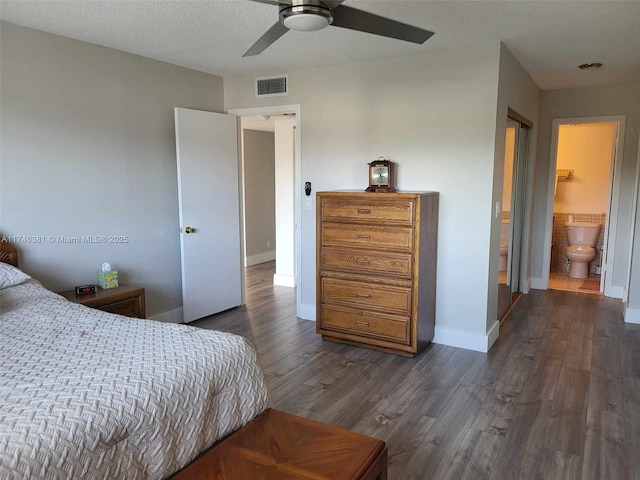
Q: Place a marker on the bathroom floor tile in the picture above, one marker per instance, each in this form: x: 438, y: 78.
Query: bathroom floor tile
x: 560, y: 281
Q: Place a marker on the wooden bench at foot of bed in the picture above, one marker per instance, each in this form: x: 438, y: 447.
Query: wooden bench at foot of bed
x: 278, y: 445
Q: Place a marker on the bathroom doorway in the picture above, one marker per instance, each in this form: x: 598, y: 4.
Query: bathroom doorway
x: 585, y: 159
x: 510, y: 271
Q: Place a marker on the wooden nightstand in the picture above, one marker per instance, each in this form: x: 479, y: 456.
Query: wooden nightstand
x: 124, y: 300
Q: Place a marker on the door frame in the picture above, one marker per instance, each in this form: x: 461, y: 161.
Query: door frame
x: 613, y: 201
x: 297, y: 180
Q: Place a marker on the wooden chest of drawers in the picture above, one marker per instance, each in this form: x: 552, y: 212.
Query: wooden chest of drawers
x: 376, y: 269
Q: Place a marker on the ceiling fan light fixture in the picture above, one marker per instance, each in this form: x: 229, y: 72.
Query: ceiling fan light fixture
x: 310, y: 15
x: 306, y: 18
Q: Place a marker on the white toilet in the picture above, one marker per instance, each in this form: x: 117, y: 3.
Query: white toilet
x: 504, y: 244
x: 582, y: 237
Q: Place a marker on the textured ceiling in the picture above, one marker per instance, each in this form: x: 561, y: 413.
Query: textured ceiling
x: 548, y: 38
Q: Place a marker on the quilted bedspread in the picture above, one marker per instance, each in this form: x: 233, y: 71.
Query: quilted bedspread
x: 88, y: 394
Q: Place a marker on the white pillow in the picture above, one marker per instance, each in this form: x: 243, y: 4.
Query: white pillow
x: 10, y: 276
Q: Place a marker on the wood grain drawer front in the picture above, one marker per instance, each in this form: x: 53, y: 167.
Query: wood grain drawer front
x: 128, y: 308
x: 397, y: 211
x: 394, y: 299
x: 391, y: 264
x: 364, y: 236
x: 371, y: 324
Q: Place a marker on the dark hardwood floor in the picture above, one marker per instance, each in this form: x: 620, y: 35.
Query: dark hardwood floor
x: 557, y: 397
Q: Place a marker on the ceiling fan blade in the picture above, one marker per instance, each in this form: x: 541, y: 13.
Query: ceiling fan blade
x: 274, y: 2
x: 332, y: 3
x: 351, y: 18
x: 270, y: 36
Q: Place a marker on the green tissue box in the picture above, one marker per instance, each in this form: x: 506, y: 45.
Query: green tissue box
x: 108, y: 279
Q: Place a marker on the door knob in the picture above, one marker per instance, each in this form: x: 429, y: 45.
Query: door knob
x: 189, y: 230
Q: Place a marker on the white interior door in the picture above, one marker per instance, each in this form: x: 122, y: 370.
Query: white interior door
x: 207, y: 153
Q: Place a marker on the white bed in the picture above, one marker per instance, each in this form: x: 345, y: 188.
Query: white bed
x: 89, y: 394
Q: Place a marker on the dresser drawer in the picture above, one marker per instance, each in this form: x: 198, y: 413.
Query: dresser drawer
x: 363, y: 210
x: 383, y: 263
x: 128, y: 308
x: 367, y: 295
x: 365, y: 236
x: 366, y: 323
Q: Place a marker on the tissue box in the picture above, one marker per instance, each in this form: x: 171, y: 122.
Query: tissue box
x: 108, y: 279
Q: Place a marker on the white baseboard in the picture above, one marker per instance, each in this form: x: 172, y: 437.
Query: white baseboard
x: 493, y: 334
x: 307, y: 312
x: 538, y: 283
x: 632, y: 315
x: 260, y: 258
x: 467, y: 340
x: 172, y: 316
x: 284, y: 280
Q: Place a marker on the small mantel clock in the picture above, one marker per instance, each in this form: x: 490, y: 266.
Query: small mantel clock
x: 381, y: 178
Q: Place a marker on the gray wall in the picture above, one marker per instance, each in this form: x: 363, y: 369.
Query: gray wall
x: 623, y: 99
x: 259, y: 192
x: 516, y: 90
x: 88, y: 148
x: 435, y: 115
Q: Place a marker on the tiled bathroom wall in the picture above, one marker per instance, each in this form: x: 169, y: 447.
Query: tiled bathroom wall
x: 559, y: 236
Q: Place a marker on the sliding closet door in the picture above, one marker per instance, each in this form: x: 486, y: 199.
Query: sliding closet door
x: 517, y: 206
x: 511, y: 271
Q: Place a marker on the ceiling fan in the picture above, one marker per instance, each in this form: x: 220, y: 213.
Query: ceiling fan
x: 310, y: 15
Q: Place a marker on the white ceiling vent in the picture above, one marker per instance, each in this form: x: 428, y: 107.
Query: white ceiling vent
x: 277, y: 86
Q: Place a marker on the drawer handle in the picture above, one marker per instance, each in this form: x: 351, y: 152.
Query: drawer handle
x: 362, y: 324
x: 364, y: 237
x: 363, y: 262
x: 364, y: 211
x: 363, y: 295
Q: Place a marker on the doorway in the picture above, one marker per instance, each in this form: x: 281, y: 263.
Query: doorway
x: 268, y: 153
x: 511, y: 274
x: 583, y: 194
x: 286, y: 246
x: 257, y: 172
